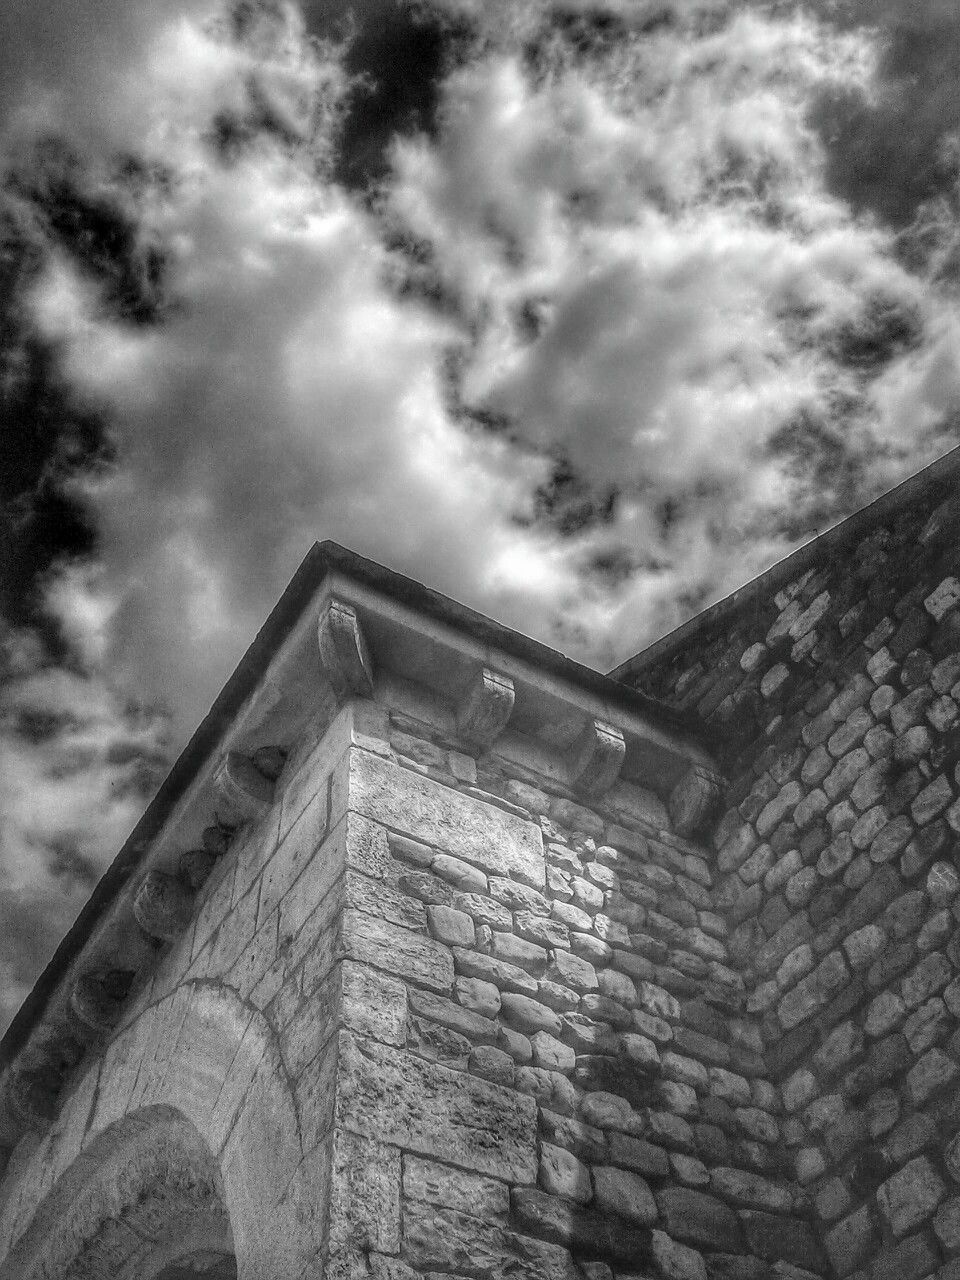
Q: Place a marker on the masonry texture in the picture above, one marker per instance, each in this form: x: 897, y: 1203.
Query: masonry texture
x: 441, y: 958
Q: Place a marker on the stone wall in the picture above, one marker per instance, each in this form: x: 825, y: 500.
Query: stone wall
x: 545, y: 1068
x: 434, y: 1015
x: 833, y: 694
x: 226, y: 1030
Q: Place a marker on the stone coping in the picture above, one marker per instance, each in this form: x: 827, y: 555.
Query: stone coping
x: 422, y: 636
x: 811, y: 554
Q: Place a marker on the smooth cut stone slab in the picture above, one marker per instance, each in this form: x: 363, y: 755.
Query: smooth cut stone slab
x: 416, y: 806
x: 397, y: 1097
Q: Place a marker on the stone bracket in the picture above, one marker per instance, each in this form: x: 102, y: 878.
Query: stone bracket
x: 597, y: 757
x: 485, y: 708
x: 694, y: 800
x: 244, y: 792
x: 162, y: 906
x: 344, y: 654
x: 97, y: 999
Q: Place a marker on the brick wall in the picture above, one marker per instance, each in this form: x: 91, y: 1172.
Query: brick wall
x: 833, y: 694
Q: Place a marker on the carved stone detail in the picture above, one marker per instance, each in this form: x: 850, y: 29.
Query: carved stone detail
x: 344, y: 654
x: 270, y: 761
x: 97, y: 998
x: 28, y: 1100
x: 195, y: 866
x: 244, y: 793
x: 162, y: 906
x: 694, y: 799
x: 485, y: 707
x: 597, y: 758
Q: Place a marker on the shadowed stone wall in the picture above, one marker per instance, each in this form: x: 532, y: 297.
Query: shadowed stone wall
x: 833, y: 693
x: 433, y: 1014
x: 447, y: 973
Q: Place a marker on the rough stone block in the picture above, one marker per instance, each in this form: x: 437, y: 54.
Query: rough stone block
x: 416, y: 806
x: 451, y: 927
x: 562, y: 1174
x: 624, y: 1194
x: 946, y: 1224
x: 675, y: 1261
x: 911, y: 1195
x: 401, y: 1099
x: 409, y: 955
x: 442, y: 1240
x: 439, y: 1184
x: 364, y: 1195
x: 698, y: 1219
x: 911, y: 1259
x: 780, y: 1239
x: 934, y: 1071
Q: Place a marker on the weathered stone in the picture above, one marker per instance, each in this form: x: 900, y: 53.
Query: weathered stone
x: 572, y: 971
x: 450, y: 1014
x: 931, y: 1073
x: 911, y: 1259
x: 750, y: 1190
x: 864, y: 945
x: 624, y: 1194
x: 396, y: 1097
x: 400, y: 951
x: 852, y: 1241
x: 780, y: 1239
x: 562, y: 1174
x: 946, y: 1224
x: 451, y: 927
x: 439, y: 1184
x: 507, y: 977
x: 814, y: 991
x: 698, y: 1219
x: 481, y: 834
x: 930, y: 976
x: 442, y: 1240
x: 675, y: 1261
x: 911, y: 1195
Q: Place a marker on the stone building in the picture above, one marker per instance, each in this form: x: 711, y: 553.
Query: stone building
x: 440, y: 956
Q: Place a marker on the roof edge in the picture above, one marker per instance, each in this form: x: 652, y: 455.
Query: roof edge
x: 321, y: 560
x: 852, y: 526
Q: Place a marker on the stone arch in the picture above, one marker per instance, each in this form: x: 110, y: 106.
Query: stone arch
x: 193, y: 1094
x: 144, y: 1193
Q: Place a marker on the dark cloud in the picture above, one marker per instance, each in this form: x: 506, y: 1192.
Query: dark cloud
x: 893, y: 152
x: 550, y: 305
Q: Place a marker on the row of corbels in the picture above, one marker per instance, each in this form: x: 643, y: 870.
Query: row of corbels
x: 483, y: 710
x: 483, y: 713
x: 162, y: 908
x: 164, y: 902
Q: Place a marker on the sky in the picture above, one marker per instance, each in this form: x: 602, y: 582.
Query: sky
x: 583, y: 313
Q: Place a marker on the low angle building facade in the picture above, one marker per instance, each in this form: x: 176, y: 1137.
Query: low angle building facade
x: 439, y: 956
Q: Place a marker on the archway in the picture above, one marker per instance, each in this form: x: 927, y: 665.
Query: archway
x: 143, y: 1202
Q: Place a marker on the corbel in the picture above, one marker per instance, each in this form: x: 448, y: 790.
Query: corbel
x: 96, y: 999
x: 597, y: 758
x: 485, y: 707
x: 694, y: 799
x: 244, y: 793
x: 344, y: 654
x: 162, y: 906
x: 28, y: 1100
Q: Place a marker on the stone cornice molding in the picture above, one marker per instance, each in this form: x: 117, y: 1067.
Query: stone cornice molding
x: 344, y: 629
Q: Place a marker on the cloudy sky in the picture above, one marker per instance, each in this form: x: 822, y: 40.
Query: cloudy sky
x: 583, y: 313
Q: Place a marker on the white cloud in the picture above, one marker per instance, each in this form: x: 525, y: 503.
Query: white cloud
x: 645, y: 272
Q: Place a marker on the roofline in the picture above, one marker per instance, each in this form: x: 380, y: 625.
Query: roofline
x: 322, y: 559
x: 792, y: 566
